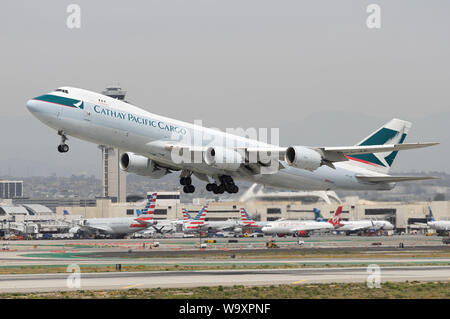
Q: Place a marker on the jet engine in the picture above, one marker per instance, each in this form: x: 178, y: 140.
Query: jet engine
x: 303, y: 157
x: 223, y: 158
x: 141, y: 165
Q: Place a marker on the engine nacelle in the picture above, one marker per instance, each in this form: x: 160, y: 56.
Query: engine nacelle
x: 223, y: 158
x: 303, y: 157
x: 140, y: 165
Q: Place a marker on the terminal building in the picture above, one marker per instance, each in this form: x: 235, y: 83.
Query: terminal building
x: 30, y: 219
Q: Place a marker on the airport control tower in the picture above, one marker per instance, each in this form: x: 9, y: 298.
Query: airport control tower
x: 114, y: 181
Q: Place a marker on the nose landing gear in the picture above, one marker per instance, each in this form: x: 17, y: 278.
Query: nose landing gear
x: 63, y: 147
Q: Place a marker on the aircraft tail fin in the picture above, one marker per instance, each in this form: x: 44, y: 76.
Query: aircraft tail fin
x: 393, y: 132
x: 150, y: 206
x: 246, y: 219
x: 202, y: 213
x: 335, y: 220
x: 318, y: 216
x: 199, y: 221
x: 149, y: 210
x: 431, y: 214
x: 186, y: 215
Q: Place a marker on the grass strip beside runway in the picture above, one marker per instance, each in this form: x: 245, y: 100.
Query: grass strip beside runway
x: 189, y: 266
x: 303, y: 290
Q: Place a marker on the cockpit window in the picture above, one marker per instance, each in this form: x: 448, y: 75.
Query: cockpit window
x: 61, y: 90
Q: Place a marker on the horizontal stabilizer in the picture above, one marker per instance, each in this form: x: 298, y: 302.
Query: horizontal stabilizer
x: 392, y: 179
x: 376, y: 148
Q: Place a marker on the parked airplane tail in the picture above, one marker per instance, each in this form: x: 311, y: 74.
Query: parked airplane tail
x: 202, y: 213
x: 186, y: 215
x: 199, y: 220
x: 318, y: 216
x: 149, y: 209
x: 246, y: 219
x: 393, y: 132
x: 431, y: 214
x: 335, y: 220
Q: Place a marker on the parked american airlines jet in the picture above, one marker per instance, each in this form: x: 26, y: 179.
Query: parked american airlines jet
x: 157, y: 145
x: 120, y: 226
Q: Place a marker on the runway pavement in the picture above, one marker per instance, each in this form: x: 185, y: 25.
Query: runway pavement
x: 422, y: 259
x: 126, y: 280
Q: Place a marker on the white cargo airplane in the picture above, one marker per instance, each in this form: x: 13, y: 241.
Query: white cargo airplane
x: 157, y: 145
x: 301, y: 227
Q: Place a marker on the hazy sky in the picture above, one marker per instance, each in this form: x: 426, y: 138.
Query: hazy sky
x: 311, y: 68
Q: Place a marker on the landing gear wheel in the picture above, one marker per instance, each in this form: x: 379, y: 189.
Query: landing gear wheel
x: 220, y: 189
x: 63, y: 148
x: 188, y: 189
x: 209, y: 187
x: 186, y: 180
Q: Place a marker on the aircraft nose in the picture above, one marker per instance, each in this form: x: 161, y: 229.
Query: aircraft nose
x: 33, y: 106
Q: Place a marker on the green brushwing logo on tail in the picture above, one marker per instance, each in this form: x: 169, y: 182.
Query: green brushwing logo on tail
x: 381, y: 137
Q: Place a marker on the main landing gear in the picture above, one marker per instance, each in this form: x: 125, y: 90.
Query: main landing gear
x: 226, y: 184
x: 63, y: 147
x: 187, y: 182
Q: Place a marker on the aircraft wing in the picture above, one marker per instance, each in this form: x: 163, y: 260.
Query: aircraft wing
x: 330, y: 153
x: 421, y: 224
x: 364, y: 149
x: 259, y: 156
x: 392, y: 179
x: 144, y: 221
x: 104, y: 229
x: 359, y: 227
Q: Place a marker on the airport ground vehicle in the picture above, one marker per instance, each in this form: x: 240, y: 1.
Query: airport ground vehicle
x: 271, y: 244
x: 254, y: 235
x: 446, y: 240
